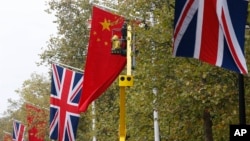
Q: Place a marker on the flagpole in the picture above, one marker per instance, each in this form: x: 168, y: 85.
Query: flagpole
x: 241, y: 85
x: 67, y: 66
x: 242, y: 110
x: 105, y: 7
x: 93, y: 121
x: 155, y: 110
x: 155, y: 114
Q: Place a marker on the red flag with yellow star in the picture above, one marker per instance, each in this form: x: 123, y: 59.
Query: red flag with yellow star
x: 102, y: 67
x: 36, y: 119
x: 7, y: 136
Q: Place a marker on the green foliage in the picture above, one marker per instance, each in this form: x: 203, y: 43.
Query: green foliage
x: 69, y: 45
x: 35, y: 91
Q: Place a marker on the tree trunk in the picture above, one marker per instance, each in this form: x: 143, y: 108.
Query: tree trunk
x: 207, y: 125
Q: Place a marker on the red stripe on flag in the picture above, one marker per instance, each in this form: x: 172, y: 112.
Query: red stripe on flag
x: 210, y: 33
x: 231, y: 46
x: 183, y: 16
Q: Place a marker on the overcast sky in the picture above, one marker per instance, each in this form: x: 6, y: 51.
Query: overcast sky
x: 24, y: 30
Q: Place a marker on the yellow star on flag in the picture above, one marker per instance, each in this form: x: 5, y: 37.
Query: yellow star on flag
x: 105, y: 24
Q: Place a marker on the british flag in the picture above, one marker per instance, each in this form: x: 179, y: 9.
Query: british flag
x: 66, y: 89
x: 212, y: 31
x: 18, y: 131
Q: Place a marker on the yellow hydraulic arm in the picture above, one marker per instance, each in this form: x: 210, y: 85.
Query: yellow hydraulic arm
x: 125, y: 81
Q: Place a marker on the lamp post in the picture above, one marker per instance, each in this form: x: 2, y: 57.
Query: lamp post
x: 93, y: 121
x: 155, y: 91
x: 155, y: 114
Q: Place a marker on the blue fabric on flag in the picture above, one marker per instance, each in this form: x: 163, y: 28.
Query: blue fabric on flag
x: 212, y: 31
x: 66, y: 89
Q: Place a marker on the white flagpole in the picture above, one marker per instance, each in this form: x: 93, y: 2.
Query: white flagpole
x: 93, y: 120
x: 156, y: 125
x: 155, y: 113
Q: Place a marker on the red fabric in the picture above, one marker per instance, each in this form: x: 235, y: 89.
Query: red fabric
x: 102, y: 67
x: 7, y: 137
x: 36, y: 121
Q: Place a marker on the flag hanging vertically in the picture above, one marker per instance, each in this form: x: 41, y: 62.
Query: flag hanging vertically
x: 7, y: 136
x: 212, y: 31
x: 102, y: 67
x: 66, y: 89
x: 18, y: 131
x: 36, y: 119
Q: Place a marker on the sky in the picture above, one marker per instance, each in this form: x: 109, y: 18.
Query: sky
x: 24, y: 30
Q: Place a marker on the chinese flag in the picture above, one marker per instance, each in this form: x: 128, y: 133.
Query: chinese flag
x: 7, y: 137
x: 36, y: 119
x: 102, y: 67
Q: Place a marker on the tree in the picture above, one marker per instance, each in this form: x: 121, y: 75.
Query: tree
x: 191, y: 93
x: 35, y: 91
x: 188, y: 89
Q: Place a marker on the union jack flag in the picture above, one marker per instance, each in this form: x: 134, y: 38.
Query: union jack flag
x: 212, y: 31
x: 18, y: 131
x: 66, y: 89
